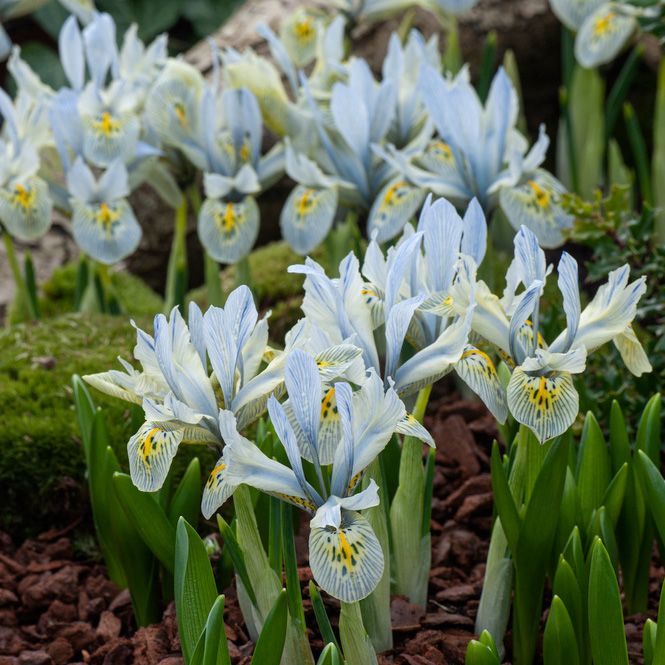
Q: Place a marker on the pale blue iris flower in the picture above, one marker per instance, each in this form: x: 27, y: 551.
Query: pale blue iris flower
x: 603, y: 28
x: 191, y: 371
x: 344, y: 553
x: 25, y: 202
x: 541, y: 394
x: 220, y: 133
x: 407, y: 296
x: 480, y: 153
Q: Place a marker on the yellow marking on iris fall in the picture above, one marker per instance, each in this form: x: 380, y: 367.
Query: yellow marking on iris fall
x: 106, y: 215
x: 305, y: 202
x: 23, y: 196
x: 393, y: 193
x: 542, y: 196
x: 347, y: 555
x: 443, y: 148
x: 181, y: 114
x: 107, y: 125
x: 327, y: 408
x: 304, y: 29
x: 212, y: 479
x: 603, y: 24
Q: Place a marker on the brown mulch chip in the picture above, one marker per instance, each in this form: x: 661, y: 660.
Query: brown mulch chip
x: 58, y: 610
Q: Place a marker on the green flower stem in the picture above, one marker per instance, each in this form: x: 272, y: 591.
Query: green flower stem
x: 452, y: 56
x: 356, y: 644
x: 291, y: 569
x: 176, y: 276
x: 21, y: 287
x: 638, y: 146
x: 243, y: 272
x: 487, y: 65
x: 406, y: 516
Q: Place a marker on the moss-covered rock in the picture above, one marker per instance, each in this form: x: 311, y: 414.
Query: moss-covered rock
x: 42, y: 470
x: 57, y: 295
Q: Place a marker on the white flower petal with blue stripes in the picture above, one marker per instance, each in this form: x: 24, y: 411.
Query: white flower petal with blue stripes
x: 25, y: 208
x: 337, y: 360
x: 393, y: 207
x: 409, y: 426
x: 535, y: 203
x: 151, y: 451
x: 107, y: 137
x: 307, y: 217
x: 216, y: 490
x: 108, y: 232
x: 228, y: 230
x: 548, y: 404
x: 603, y: 34
x: 573, y: 12
x: 477, y: 370
x: 346, y: 562
x: 299, y: 33
x: 632, y: 352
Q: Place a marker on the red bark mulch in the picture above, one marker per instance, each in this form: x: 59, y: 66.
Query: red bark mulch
x: 56, y: 609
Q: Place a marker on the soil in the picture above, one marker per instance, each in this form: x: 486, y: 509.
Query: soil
x: 57, y: 608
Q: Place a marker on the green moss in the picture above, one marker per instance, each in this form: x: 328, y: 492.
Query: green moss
x: 42, y: 481
x: 135, y: 297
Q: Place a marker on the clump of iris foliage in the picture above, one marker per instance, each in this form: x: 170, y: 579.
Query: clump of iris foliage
x: 320, y: 427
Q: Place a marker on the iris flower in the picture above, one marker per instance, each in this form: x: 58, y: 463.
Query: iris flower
x: 189, y: 373
x: 220, y: 133
x: 407, y: 296
x: 602, y: 27
x: 480, y: 153
x: 25, y: 202
x: 345, y: 556
x: 541, y: 393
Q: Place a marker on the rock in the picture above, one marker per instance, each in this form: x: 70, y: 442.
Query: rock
x: 109, y: 626
x: 151, y: 645
x: 9, y: 660
x: 115, y: 652
x: 172, y: 660
x: 7, y: 597
x: 62, y: 584
x: 10, y: 642
x: 404, y: 616
x: 34, y: 658
x: 473, y: 504
x: 457, y: 445
x: 8, y: 617
x: 456, y: 594
x: 61, y: 651
x: 79, y: 634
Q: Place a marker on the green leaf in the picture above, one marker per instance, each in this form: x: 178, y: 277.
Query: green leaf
x: 659, y: 645
x: 658, y: 156
x: 567, y: 589
x: 237, y: 556
x: 594, y: 469
x: 330, y: 656
x: 186, y: 501
x: 142, y: 12
x: 649, y: 641
x: 602, y: 527
x: 195, y: 590
x: 216, y: 648
x: 654, y: 485
x: 270, y: 646
x: 291, y: 569
x: 478, y: 653
x: 638, y: 146
x: 606, y: 629
x: 322, y: 620
x: 613, y: 499
x: 619, y: 442
x: 356, y: 644
x: 559, y: 643
x: 619, y: 91
x: 148, y: 518
x: 503, y: 499
x: 648, y: 431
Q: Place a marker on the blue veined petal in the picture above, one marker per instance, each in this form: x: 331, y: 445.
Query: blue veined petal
x: 547, y: 404
x: 343, y: 464
x: 70, y: 46
x: 439, y: 159
x: 288, y: 438
x: 529, y: 260
x: 434, y: 361
x: 409, y: 426
x: 536, y: 205
x: 25, y: 208
x: 307, y: 217
x: 108, y: 232
x: 632, y: 352
x: 242, y: 117
x: 477, y: 370
x: 303, y: 385
x: 474, y: 238
x: 108, y: 137
x: 330, y: 430
x: 346, y: 562
x: 603, y: 34
x: 400, y: 261
x: 393, y: 207
x: 216, y: 490
x: 336, y: 360
x: 454, y: 6
x: 573, y: 12
x: 611, y: 311
x: 228, y: 230
x: 397, y: 324
x: 247, y: 465
x: 151, y: 451
x: 100, y: 47
x: 521, y: 345
x: 570, y: 290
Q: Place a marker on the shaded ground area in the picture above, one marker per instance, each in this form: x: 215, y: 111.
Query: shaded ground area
x: 58, y: 608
